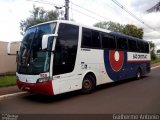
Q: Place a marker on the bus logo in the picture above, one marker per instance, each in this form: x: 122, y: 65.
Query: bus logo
x: 116, y: 59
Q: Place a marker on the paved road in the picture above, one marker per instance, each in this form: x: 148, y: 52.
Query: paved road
x: 130, y: 96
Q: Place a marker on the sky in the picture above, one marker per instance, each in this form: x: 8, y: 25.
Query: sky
x: 13, y: 11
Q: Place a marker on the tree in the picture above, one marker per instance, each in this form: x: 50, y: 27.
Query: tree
x: 38, y: 15
x: 152, y: 48
x: 128, y: 29
x: 112, y: 26
x: 155, y: 8
x: 132, y: 30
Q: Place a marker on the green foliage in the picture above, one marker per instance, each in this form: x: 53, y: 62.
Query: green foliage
x: 112, y: 26
x: 103, y: 25
x: 132, y: 30
x: 7, y: 81
x: 152, y: 45
x: 38, y: 15
x: 152, y: 48
x: 128, y: 29
x: 155, y: 61
x: 153, y: 56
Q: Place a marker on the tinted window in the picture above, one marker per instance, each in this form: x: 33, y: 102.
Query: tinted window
x: 42, y: 30
x: 141, y: 47
x: 122, y: 43
x: 86, y: 37
x: 108, y: 41
x: 146, y: 48
x: 90, y: 38
x: 132, y: 45
x: 66, y: 49
x: 95, y: 39
x: 30, y: 51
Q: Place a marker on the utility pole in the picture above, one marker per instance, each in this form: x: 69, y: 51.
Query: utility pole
x: 66, y: 15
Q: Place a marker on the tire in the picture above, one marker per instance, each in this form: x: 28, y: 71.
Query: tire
x: 138, y: 74
x: 88, y: 84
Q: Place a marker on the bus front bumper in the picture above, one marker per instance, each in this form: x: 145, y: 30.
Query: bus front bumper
x: 44, y: 88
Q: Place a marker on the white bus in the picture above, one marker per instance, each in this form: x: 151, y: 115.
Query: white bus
x: 61, y: 56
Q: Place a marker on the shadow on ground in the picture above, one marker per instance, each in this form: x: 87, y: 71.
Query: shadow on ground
x: 70, y: 95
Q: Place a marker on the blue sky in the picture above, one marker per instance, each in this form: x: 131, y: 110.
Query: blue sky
x: 13, y: 11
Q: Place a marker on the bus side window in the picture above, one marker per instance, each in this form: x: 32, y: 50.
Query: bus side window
x: 86, y: 37
x: 90, y: 38
x: 146, y: 48
x: 122, y: 43
x: 96, y: 39
x: 108, y: 41
x: 141, y: 47
x: 132, y: 45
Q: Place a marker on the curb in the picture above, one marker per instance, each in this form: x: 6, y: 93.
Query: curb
x: 2, y: 97
x: 155, y: 67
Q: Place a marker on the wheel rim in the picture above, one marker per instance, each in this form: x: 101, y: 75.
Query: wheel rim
x: 87, y: 84
x: 138, y: 75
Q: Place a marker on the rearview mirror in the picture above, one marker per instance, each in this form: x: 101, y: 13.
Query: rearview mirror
x: 47, y: 41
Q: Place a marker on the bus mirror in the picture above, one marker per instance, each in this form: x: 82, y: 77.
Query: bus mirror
x: 47, y: 41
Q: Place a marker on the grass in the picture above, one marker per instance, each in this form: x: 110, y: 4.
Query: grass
x: 9, y: 80
x: 155, y: 61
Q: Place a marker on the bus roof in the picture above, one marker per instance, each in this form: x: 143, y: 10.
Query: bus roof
x: 90, y: 27
x: 126, y: 36
x: 73, y: 23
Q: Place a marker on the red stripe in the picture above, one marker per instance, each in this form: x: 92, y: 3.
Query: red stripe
x: 116, y: 65
x: 44, y: 88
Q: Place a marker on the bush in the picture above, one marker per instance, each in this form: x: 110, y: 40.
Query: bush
x: 153, y: 56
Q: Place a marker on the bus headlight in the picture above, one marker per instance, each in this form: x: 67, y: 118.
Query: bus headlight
x: 40, y: 80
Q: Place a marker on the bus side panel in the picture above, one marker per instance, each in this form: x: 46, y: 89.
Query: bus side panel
x: 121, y: 65
x: 139, y: 61
x: 134, y: 66
x: 93, y: 60
x: 63, y: 85
x: 116, y: 64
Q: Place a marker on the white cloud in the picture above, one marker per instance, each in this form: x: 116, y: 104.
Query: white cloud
x: 152, y: 35
x: 153, y: 19
x: 13, y: 11
x: 143, y: 5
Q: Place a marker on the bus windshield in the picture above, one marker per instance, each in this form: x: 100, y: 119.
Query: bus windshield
x: 31, y: 59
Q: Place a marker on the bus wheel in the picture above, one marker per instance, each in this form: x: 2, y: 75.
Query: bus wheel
x: 138, y: 74
x: 89, y: 84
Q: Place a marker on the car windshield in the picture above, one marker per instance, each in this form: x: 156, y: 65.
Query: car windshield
x: 31, y: 59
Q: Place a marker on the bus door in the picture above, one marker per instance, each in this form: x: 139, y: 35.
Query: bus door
x: 64, y: 69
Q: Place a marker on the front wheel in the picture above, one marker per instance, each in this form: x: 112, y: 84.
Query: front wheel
x: 88, y: 84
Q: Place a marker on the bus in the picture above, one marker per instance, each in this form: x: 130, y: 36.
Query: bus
x: 62, y: 56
